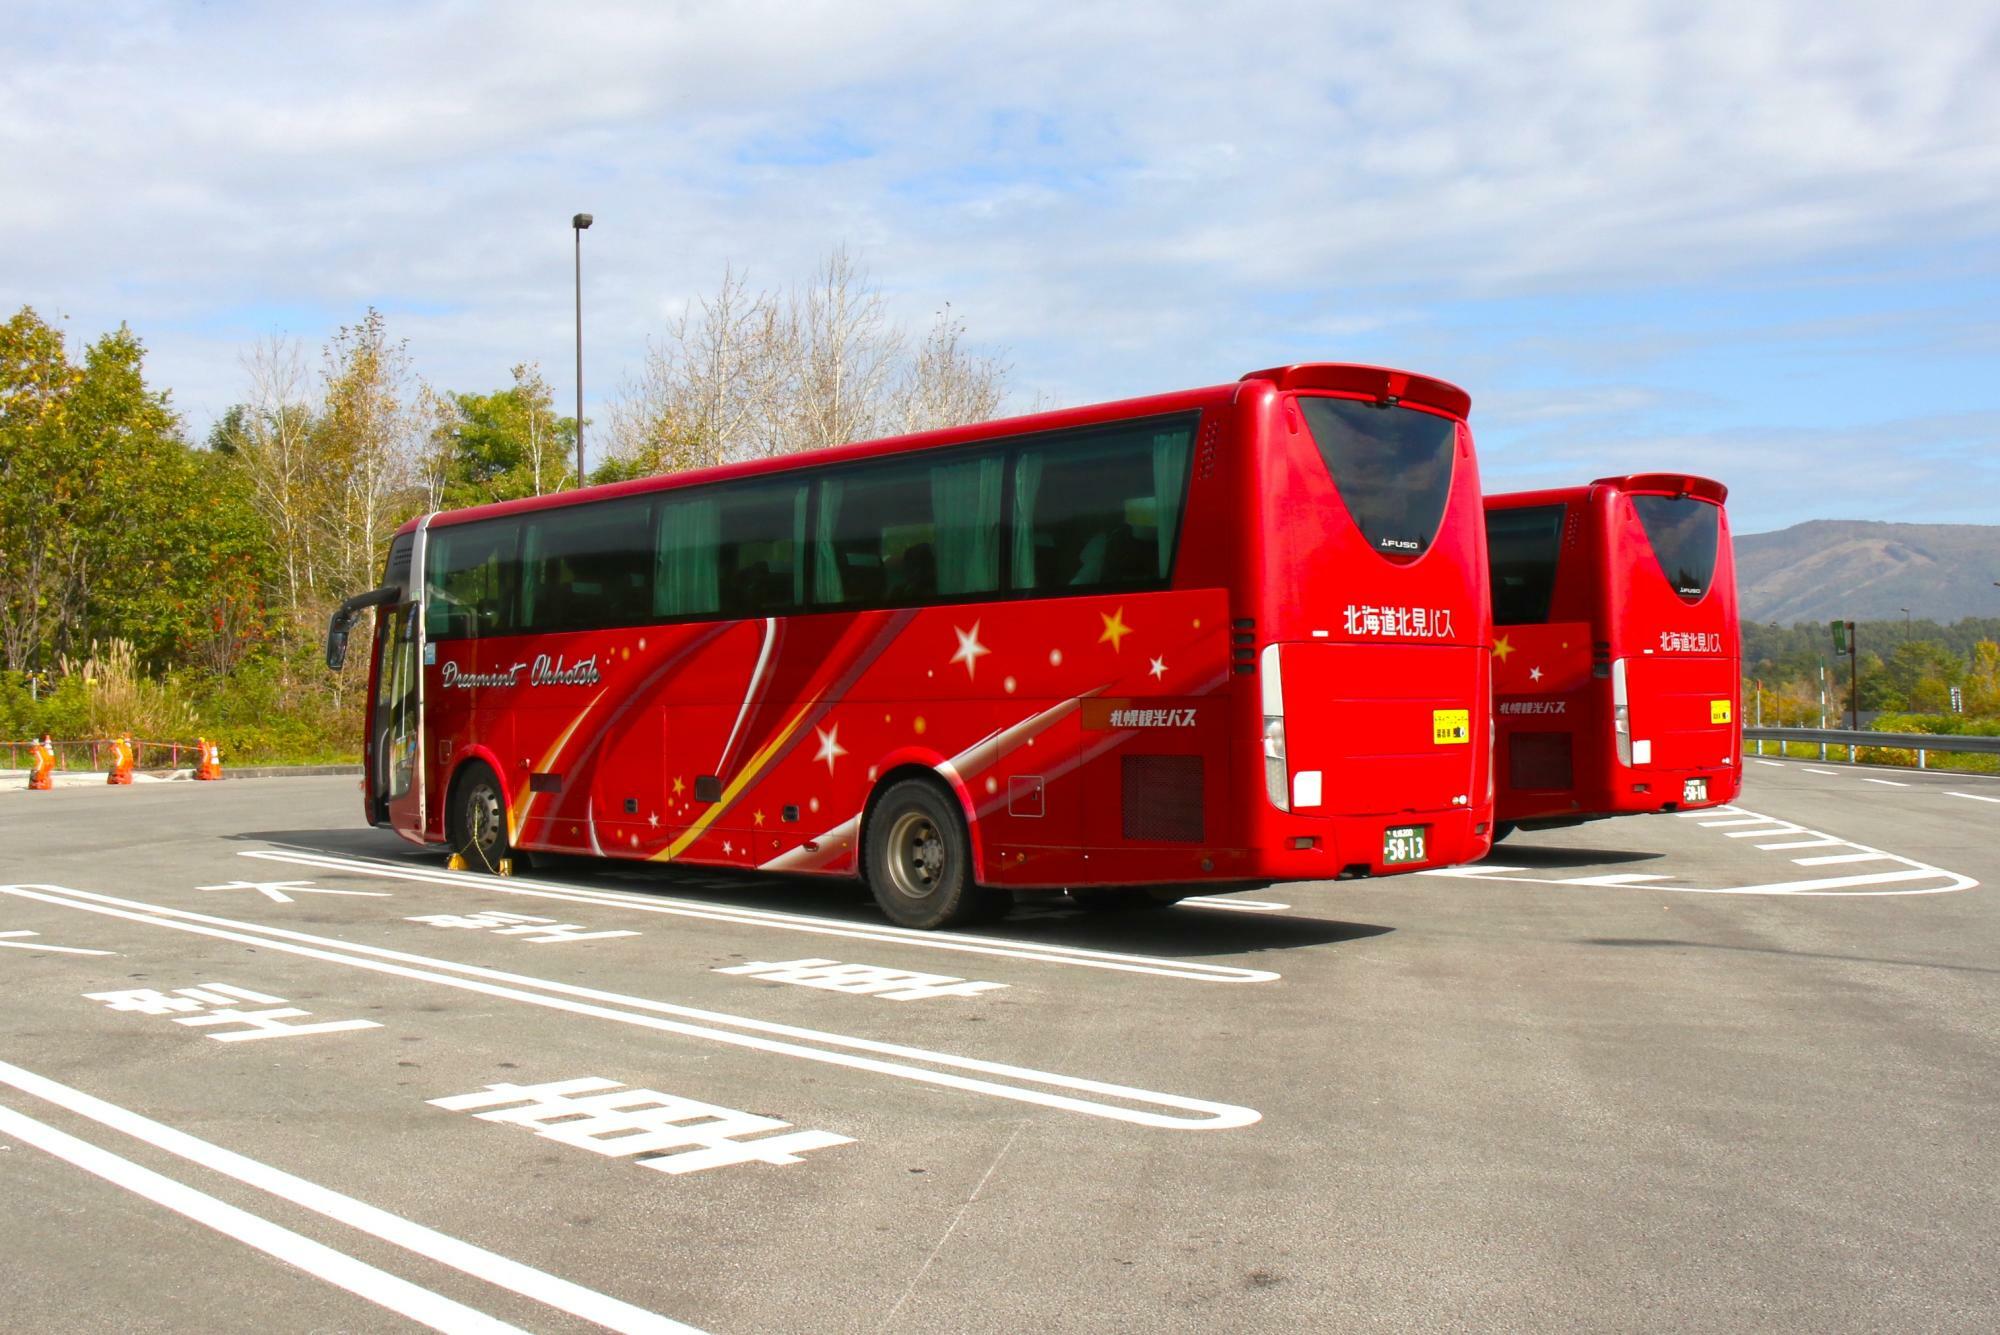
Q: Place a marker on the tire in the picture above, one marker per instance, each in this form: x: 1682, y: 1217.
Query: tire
x: 918, y: 860
x: 1503, y: 828
x: 476, y: 822
x: 1127, y: 898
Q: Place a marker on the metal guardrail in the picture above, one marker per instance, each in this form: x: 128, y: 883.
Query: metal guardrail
x: 1920, y: 742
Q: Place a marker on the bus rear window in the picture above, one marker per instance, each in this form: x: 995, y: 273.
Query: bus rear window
x: 1522, y: 548
x: 1684, y: 532
x: 1392, y: 467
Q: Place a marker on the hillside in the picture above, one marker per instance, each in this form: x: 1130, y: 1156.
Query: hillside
x: 1827, y: 568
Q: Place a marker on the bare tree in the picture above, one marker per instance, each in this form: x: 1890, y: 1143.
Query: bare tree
x: 274, y: 446
x: 748, y: 375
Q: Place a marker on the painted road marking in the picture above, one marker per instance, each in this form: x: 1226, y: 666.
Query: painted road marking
x: 538, y: 931
x: 1907, y: 871
x: 1972, y: 797
x: 494, y: 1269
x: 618, y: 1121
x: 1617, y: 878
x: 60, y: 950
x: 281, y: 892
x: 1239, y: 905
x: 209, y: 996
x: 742, y: 1031
x: 862, y: 979
x: 1886, y: 783
x: 316, y: 1259
x: 1830, y: 773
x: 1033, y: 951
x: 1772, y: 763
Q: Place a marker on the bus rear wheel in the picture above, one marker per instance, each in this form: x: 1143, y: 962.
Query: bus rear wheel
x: 476, y: 822
x: 918, y: 859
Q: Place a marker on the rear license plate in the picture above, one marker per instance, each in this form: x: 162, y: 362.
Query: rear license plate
x: 1404, y: 843
x: 1694, y: 790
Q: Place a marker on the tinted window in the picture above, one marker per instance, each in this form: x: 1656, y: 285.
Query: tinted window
x: 1392, y: 467
x: 470, y: 578
x: 1521, y: 548
x: 1684, y: 532
x: 1100, y: 510
x: 587, y: 566
x: 907, y: 532
x: 761, y: 547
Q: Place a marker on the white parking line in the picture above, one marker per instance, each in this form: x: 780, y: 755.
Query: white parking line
x: 335, y: 1267
x: 1972, y: 797
x: 1886, y: 783
x: 1768, y: 828
x: 1830, y: 773
x: 1772, y: 763
x: 1035, y: 951
x: 736, y: 1030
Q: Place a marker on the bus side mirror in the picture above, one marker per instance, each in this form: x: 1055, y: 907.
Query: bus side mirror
x: 343, y: 620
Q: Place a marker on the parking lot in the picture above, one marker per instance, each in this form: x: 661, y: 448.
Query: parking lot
x: 266, y: 1069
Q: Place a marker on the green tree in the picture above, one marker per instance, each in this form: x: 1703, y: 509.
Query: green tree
x: 502, y: 446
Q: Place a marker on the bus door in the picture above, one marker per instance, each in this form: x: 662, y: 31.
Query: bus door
x: 396, y: 733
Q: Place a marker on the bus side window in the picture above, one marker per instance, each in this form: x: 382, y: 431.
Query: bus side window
x: 1100, y: 512
x: 470, y: 580
x: 760, y: 544
x: 589, y: 567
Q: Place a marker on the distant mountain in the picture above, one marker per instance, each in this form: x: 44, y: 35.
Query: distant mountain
x: 1865, y: 571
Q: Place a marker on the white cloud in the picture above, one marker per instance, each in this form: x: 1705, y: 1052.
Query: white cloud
x: 1127, y: 198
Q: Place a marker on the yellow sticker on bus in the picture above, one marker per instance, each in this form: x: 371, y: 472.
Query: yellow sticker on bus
x: 1718, y: 711
x: 1451, y: 727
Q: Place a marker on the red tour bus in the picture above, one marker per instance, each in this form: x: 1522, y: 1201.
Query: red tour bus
x: 1215, y: 638
x: 1617, y: 653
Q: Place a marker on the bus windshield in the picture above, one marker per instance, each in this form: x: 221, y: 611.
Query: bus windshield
x: 1391, y: 465
x: 1683, y: 531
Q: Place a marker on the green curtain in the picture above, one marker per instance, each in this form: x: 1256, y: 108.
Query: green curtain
x: 1170, y: 463
x: 1027, y: 483
x: 688, y: 580
x: 827, y: 586
x: 965, y: 510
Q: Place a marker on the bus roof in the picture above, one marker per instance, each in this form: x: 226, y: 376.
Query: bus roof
x: 1659, y: 484
x: 1373, y: 380
x: 1378, y: 382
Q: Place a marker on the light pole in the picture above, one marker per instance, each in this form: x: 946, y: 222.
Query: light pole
x: 578, y: 223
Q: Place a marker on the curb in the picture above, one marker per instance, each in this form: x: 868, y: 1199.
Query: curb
x: 95, y: 778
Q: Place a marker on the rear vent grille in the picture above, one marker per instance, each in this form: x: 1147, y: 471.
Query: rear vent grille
x: 1162, y: 799
x: 1205, y: 452
x: 1538, y: 761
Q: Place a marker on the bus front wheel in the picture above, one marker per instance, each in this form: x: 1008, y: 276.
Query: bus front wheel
x: 476, y: 822
x: 919, y: 860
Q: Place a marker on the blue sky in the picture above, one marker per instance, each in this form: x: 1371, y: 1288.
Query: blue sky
x: 1755, y: 239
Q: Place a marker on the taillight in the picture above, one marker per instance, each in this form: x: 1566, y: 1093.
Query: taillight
x: 1621, y: 712
x: 1277, y: 785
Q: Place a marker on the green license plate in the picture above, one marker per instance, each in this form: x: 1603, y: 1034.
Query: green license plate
x: 1404, y: 843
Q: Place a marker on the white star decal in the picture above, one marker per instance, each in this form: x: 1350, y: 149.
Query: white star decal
x: 969, y: 649
x: 830, y: 748
x: 1159, y: 668
x: 1534, y: 674
x: 726, y: 848
x: 654, y: 820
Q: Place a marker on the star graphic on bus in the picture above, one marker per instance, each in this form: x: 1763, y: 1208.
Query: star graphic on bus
x: 1534, y: 674
x: 1115, y: 628
x: 679, y: 787
x: 830, y: 748
x: 757, y: 818
x: 969, y: 649
x: 1159, y: 668
x: 654, y: 820
x: 1501, y: 648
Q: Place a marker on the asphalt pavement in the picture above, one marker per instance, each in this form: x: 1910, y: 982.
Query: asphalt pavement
x: 265, y: 1069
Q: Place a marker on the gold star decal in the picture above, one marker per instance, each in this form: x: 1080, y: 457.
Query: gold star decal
x: 679, y: 787
x: 1115, y: 628
x: 1501, y: 648
x: 756, y: 818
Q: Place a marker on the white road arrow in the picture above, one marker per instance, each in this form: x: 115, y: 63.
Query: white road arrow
x: 276, y: 891
x: 61, y: 950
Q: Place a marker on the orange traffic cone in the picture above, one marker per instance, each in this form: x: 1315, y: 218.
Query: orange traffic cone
x: 211, y: 759
x: 42, y: 777
x: 122, y: 756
